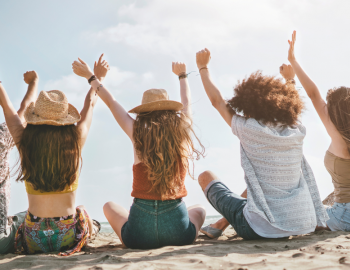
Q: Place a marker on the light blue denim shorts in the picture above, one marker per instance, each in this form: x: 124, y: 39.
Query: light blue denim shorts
x: 339, y: 217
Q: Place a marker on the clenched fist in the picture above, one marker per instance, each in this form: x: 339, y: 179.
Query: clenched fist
x: 30, y: 76
x: 179, y: 68
x: 203, y: 58
x: 287, y: 72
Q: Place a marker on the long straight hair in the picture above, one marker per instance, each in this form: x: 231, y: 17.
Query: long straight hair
x: 50, y: 156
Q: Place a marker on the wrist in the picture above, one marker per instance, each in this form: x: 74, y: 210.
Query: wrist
x: 34, y: 81
x: 203, y: 69
x: 88, y: 76
x: 101, y: 79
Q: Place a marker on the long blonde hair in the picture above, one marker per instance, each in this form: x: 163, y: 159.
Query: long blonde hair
x: 163, y: 142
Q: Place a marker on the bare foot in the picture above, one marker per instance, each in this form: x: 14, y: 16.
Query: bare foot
x: 221, y: 224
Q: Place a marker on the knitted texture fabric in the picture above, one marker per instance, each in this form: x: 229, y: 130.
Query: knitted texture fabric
x: 141, y: 187
x: 280, y: 183
x: 6, y: 144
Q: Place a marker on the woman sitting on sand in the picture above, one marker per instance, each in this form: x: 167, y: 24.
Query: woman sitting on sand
x: 282, y: 195
x: 335, y: 116
x: 50, y: 151
x: 9, y: 225
x: 161, y: 136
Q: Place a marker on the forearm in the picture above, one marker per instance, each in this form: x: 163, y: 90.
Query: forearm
x: 29, y: 97
x: 212, y: 91
x: 309, y: 86
x: 186, y: 97
x: 6, y: 103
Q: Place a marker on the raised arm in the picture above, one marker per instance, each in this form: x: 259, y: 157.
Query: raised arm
x: 179, y: 69
x: 314, y: 94
x: 13, y: 121
x: 203, y: 57
x: 120, y: 114
x: 100, y: 69
x: 32, y: 79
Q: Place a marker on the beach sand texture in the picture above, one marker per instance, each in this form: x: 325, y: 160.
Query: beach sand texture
x: 319, y: 250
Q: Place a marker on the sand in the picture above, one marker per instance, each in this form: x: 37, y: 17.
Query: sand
x: 319, y: 250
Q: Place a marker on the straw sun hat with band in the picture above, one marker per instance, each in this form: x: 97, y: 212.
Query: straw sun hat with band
x: 51, y: 108
x: 156, y: 100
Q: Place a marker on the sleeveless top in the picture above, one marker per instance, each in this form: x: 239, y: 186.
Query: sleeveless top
x: 68, y: 189
x: 339, y: 169
x: 141, y: 185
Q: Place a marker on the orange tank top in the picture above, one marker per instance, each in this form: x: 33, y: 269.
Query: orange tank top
x: 141, y: 186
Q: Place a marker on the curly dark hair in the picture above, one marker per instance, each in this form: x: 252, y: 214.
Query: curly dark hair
x: 267, y: 99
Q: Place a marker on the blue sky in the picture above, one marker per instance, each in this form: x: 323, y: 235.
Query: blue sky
x: 140, y: 39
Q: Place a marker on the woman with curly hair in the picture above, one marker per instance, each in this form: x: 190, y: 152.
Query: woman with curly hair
x: 162, y: 142
x: 335, y: 116
x: 282, y: 197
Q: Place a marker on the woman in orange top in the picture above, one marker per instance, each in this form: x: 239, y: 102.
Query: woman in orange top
x: 50, y: 145
x: 162, y: 138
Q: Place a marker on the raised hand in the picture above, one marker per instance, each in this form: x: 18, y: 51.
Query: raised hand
x: 30, y: 76
x: 82, y: 69
x: 101, y: 68
x: 287, y: 72
x: 179, y: 68
x: 203, y: 57
x: 291, y: 55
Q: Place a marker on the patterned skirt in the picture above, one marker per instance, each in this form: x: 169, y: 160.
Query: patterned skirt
x: 42, y: 235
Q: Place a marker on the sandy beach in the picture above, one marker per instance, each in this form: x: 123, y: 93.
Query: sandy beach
x: 319, y: 250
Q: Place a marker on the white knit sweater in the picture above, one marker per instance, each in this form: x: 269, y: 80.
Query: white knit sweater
x: 281, y: 186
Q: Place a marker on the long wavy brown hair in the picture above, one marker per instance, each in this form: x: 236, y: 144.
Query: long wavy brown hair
x: 338, y: 105
x: 50, y: 156
x: 163, y: 142
x: 267, y: 99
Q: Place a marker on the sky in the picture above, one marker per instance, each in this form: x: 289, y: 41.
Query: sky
x: 140, y: 39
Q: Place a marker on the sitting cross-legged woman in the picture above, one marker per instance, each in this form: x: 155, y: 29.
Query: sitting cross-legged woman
x: 162, y: 138
x: 50, y: 151
x: 10, y: 224
x: 335, y: 116
x: 282, y: 198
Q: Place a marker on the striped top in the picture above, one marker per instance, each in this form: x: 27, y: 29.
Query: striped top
x: 281, y: 185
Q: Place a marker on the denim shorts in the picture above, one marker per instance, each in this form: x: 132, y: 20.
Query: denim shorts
x: 230, y: 206
x: 339, y: 217
x: 154, y: 224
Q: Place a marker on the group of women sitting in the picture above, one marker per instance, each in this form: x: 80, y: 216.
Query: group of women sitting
x: 281, y: 199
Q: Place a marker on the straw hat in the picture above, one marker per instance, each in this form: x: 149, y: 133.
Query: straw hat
x: 51, y: 108
x: 156, y: 100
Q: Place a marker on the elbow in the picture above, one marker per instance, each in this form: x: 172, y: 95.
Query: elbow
x: 215, y: 103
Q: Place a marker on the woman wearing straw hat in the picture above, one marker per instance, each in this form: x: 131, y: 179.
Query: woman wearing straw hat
x: 10, y: 224
x: 50, y: 151
x: 161, y: 136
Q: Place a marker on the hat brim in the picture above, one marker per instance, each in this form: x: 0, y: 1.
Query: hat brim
x: 33, y: 119
x: 161, y: 105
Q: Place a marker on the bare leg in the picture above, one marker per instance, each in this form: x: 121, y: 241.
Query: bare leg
x: 117, y: 216
x: 91, y: 228
x: 197, y: 214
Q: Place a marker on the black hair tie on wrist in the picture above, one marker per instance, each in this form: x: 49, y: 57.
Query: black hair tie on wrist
x: 182, y: 76
x: 92, y: 78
